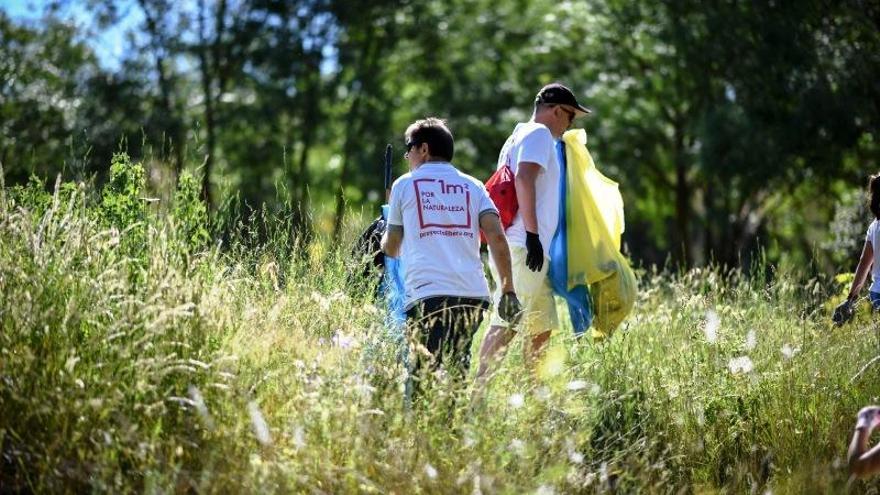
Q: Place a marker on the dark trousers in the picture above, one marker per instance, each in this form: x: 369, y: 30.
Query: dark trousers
x: 445, y: 326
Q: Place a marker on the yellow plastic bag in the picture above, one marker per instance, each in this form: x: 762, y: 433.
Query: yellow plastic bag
x: 594, y: 212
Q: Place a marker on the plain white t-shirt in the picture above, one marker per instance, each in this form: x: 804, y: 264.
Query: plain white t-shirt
x: 439, y: 209
x: 533, y: 142
x: 873, y: 236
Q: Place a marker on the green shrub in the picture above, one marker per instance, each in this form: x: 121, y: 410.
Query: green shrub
x: 189, y: 213
x: 123, y: 206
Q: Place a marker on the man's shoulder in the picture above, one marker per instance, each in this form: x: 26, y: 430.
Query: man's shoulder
x: 528, y: 129
x: 469, y: 178
x: 403, y: 179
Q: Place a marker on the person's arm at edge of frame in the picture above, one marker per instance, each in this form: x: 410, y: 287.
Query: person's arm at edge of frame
x: 392, y: 239
x: 861, y: 463
x: 490, y: 223
x: 862, y: 269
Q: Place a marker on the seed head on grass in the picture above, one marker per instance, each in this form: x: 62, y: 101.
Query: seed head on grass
x: 788, y: 351
x: 516, y: 400
x: 740, y: 365
x: 710, y: 327
x: 751, y: 340
x: 258, y: 423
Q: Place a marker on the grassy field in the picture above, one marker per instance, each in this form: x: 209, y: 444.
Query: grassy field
x: 136, y: 355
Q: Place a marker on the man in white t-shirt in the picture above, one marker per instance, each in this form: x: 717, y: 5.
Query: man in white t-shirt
x: 434, y: 221
x: 530, y: 152
x: 869, y: 261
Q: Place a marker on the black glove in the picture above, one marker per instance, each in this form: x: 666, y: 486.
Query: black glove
x: 843, y: 313
x: 509, y: 308
x: 534, y: 252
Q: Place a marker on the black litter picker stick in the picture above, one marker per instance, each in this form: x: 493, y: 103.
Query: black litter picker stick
x: 387, y: 172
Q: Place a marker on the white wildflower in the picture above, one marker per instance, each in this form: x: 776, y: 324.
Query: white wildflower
x: 751, y: 340
x: 711, y: 326
x: 469, y: 441
x: 542, y: 393
x: 575, y: 457
x: 545, y: 490
x: 477, y: 490
x: 299, y: 437
x: 517, y: 446
x: 742, y: 364
x: 430, y: 471
x: 201, y: 407
x: 342, y: 340
x: 71, y: 363
x: 261, y: 429
x: 323, y: 302
x: 113, y: 239
x: 516, y: 401
x: 364, y: 389
x: 589, y: 479
x: 576, y: 385
x: 788, y: 351
x: 700, y: 416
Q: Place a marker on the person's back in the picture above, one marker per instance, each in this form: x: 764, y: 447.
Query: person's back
x: 440, y: 213
x: 533, y: 142
x: 434, y: 218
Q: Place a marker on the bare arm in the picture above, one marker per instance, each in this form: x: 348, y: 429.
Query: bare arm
x: 498, y: 249
x: 526, y: 175
x: 862, y: 269
x: 392, y: 239
x: 864, y: 462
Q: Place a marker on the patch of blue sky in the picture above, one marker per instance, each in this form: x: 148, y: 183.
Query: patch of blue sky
x: 109, y: 42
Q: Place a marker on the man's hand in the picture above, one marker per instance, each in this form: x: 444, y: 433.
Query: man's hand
x: 509, y: 308
x: 534, y: 252
x: 843, y: 313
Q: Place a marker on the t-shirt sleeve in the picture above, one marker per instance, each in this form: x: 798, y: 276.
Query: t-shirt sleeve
x: 869, y: 236
x: 395, y: 213
x: 536, y: 147
x: 486, y: 205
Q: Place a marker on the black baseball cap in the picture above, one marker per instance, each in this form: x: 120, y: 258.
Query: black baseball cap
x: 558, y: 94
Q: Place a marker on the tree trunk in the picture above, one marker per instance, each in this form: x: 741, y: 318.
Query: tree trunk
x: 300, y: 192
x: 165, y: 90
x: 682, y: 252
x: 347, y: 157
x: 366, y: 70
x: 207, y: 80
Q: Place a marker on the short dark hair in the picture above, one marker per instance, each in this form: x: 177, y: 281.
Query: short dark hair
x: 874, y: 195
x: 435, y: 134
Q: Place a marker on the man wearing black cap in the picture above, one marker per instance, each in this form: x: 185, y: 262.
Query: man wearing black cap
x: 530, y: 152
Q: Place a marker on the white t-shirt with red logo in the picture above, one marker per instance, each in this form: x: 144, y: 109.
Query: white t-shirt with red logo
x: 533, y: 142
x: 439, y: 209
x: 873, y: 236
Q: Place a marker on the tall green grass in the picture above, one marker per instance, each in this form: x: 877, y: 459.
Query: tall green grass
x: 136, y: 355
